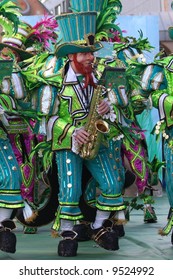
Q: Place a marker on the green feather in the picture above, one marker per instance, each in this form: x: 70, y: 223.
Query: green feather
x: 102, y: 18
x: 101, y: 35
x: 10, y: 12
x: 7, y: 25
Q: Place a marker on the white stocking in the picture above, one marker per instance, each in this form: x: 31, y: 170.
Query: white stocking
x: 66, y: 225
x: 100, y: 217
x: 5, y: 213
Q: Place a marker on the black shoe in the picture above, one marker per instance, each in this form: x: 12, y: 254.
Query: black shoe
x: 81, y: 230
x: 104, y: 237
x: 118, y: 229
x: 7, y: 237
x: 68, y: 246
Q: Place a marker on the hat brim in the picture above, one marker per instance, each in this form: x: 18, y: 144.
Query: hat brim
x: 23, y: 54
x: 70, y: 48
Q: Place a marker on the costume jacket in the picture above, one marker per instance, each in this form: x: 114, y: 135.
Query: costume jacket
x: 72, y: 110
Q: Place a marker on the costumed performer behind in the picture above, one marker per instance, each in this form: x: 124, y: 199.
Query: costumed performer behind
x: 10, y: 175
x: 12, y: 47
x: 119, y: 52
x: 156, y: 82
x: 28, y: 41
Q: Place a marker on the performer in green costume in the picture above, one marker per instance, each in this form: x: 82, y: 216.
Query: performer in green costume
x: 67, y: 133
x: 156, y: 83
x: 10, y: 175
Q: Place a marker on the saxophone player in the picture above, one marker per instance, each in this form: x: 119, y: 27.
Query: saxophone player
x: 67, y: 133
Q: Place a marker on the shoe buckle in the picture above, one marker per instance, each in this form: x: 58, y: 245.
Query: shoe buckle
x: 69, y: 235
x: 100, y: 233
x: 108, y: 224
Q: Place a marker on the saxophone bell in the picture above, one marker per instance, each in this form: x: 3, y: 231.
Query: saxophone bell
x: 102, y: 126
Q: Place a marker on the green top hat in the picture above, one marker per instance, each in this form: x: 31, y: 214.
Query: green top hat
x: 87, y: 5
x: 78, y: 33
x: 17, y: 41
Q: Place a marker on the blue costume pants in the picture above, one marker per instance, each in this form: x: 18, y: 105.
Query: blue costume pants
x: 106, y: 171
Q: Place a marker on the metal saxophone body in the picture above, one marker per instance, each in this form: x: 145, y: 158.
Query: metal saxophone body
x: 95, y: 126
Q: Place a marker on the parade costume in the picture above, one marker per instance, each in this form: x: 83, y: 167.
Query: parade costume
x: 120, y: 52
x: 72, y: 163
x: 27, y: 42
x: 10, y: 175
x: 89, y: 189
x: 156, y: 81
x: 41, y: 79
x: 19, y: 132
x: 137, y: 152
x: 72, y: 115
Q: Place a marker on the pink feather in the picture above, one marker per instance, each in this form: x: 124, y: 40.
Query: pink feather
x: 44, y: 31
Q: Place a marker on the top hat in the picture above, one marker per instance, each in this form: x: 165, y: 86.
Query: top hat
x: 78, y: 33
x: 17, y: 41
x: 87, y: 5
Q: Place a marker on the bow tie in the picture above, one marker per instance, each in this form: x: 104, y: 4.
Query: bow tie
x: 80, y: 78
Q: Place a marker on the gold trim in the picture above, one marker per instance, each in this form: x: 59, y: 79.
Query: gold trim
x: 63, y: 135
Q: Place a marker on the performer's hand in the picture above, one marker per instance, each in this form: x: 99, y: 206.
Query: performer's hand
x: 103, y: 107
x: 81, y: 136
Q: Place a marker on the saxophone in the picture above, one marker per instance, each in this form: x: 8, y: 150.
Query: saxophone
x: 95, y: 126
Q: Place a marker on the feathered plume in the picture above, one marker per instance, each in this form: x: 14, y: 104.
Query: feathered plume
x: 141, y: 44
x: 43, y: 32
x: 9, y: 17
x: 105, y: 24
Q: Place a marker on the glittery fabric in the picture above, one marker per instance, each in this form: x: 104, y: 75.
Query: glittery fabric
x: 136, y: 155
x: 10, y: 177
x: 115, y: 156
x: 22, y: 151
x: 168, y: 154
x: 104, y: 169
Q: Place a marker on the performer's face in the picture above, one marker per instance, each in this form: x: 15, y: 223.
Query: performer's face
x: 86, y: 59
x: 82, y: 62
